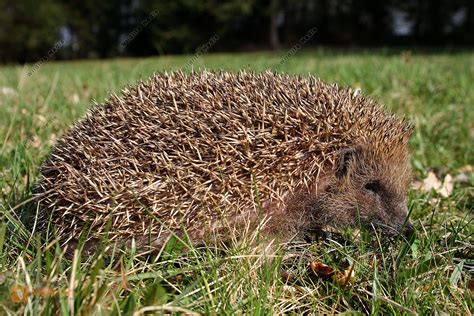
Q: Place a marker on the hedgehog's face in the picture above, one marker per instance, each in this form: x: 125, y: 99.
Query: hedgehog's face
x: 369, y: 191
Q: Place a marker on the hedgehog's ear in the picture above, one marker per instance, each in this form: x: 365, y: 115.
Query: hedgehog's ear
x: 344, y: 160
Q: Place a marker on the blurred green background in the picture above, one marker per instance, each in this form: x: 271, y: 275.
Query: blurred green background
x: 31, y: 30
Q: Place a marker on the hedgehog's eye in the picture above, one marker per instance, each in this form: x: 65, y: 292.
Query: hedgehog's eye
x: 373, y: 186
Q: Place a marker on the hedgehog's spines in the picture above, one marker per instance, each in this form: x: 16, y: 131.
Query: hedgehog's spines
x: 188, y: 146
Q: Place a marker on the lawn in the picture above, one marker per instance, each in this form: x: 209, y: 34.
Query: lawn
x: 433, y: 272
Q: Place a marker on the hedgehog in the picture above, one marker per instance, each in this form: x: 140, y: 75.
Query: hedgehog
x: 207, y: 153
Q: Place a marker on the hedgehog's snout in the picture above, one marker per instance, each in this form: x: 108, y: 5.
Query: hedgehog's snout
x: 393, y: 222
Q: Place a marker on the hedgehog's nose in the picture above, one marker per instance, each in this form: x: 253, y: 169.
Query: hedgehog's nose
x: 409, y: 230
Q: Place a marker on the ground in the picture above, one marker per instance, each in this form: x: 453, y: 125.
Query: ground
x: 431, y: 272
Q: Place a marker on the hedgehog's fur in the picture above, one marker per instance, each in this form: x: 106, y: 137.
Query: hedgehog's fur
x: 207, y: 150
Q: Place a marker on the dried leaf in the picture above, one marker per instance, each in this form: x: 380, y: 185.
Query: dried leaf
x: 464, y: 174
x: 432, y: 182
x: 448, y: 186
x: 417, y: 185
x: 321, y: 269
x: 324, y: 271
x: 338, y: 277
x: 346, y: 277
x: 462, y: 177
x: 466, y: 169
x: 19, y: 294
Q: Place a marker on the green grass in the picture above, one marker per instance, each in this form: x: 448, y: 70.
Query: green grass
x: 427, y: 274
